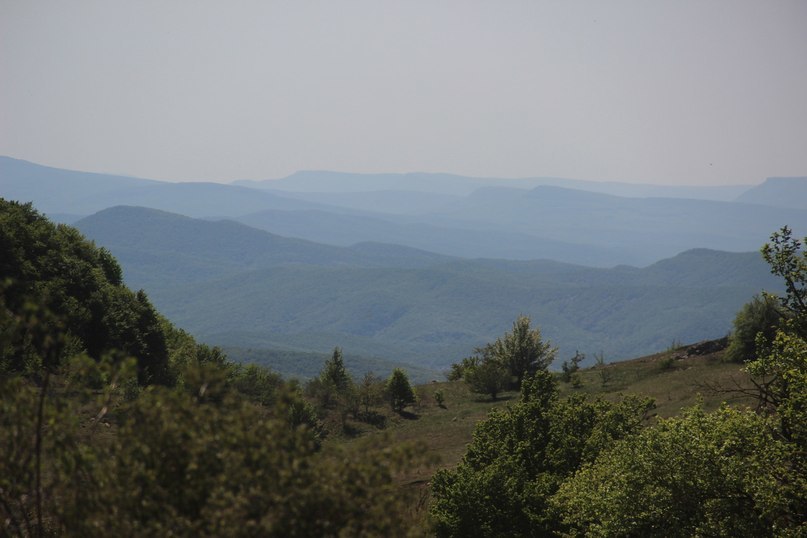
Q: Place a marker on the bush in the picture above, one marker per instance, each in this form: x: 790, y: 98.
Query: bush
x: 763, y: 315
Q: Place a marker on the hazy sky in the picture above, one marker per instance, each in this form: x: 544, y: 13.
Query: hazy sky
x: 696, y: 92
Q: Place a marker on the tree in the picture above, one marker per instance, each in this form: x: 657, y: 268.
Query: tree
x: 570, y: 367
x: 334, y: 372
x: 370, y: 391
x: 788, y: 260
x: 54, y: 267
x: 458, y: 369
x: 522, y: 351
x: 602, y: 368
x: 762, y: 315
x: 399, y: 391
x: 780, y: 369
x: 333, y: 387
x: 489, y: 376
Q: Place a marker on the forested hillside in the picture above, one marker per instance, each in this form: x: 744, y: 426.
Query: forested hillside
x: 237, y: 286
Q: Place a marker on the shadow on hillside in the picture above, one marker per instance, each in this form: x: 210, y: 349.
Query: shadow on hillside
x: 505, y: 398
x: 408, y: 415
x: 373, y: 418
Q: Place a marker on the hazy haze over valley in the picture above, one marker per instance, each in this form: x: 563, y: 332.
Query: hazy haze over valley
x: 420, y: 269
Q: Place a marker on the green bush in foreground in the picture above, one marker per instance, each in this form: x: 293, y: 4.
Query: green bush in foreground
x: 519, y: 457
x: 196, y: 461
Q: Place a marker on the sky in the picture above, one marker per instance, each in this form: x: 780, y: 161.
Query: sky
x: 677, y: 92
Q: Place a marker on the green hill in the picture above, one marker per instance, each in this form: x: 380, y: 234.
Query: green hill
x: 240, y: 287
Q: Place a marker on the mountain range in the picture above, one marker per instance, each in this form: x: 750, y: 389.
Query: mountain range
x: 236, y: 286
x: 422, y: 268
x: 581, y: 222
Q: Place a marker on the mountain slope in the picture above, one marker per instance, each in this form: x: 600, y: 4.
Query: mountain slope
x: 451, y: 238
x: 544, y: 222
x: 242, y: 287
x: 163, y: 247
x: 437, y: 315
x: 654, y: 228
x: 778, y: 191
x: 54, y: 190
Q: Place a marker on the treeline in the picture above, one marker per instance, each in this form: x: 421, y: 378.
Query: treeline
x: 114, y: 422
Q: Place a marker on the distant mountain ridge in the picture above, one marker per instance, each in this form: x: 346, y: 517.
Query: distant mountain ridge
x: 82, y: 193
x: 517, y: 219
x: 240, y: 287
x: 778, y: 191
x: 326, y: 181
x: 211, y: 249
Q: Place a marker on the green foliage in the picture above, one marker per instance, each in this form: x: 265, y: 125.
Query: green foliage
x: 512, y: 356
x: 704, y: 474
x: 762, y: 315
x: 788, y: 260
x: 86, y: 450
x: 488, y: 376
x: 258, y: 384
x: 727, y: 473
x: 519, y: 457
x: 55, y: 268
x: 200, y: 460
x: 334, y: 390
x: 521, y: 351
x: 602, y: 368
x: 334, y: 373
x: 371, y: 391
x: 782, y: 384
x: 440, y: 398
x: 458, y: 369
x: 568, y: 368
x: 399, y: 391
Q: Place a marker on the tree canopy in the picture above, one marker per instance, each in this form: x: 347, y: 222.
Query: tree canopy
x: 522, y: 350
x: 54, y: 268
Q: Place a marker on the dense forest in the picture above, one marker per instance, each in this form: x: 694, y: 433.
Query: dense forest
x: 116, y: 422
